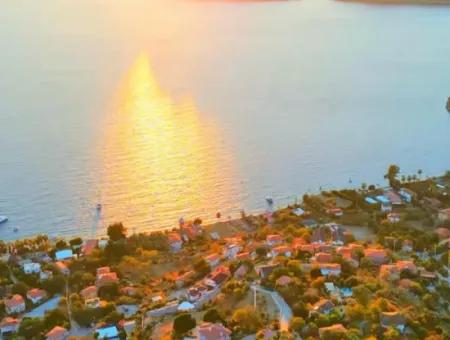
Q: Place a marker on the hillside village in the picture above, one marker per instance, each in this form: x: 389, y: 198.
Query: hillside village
x: 370, y: 263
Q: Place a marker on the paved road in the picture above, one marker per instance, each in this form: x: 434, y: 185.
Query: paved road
x: 283, y: 307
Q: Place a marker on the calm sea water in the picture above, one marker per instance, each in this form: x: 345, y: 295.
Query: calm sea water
x: 162, y: 109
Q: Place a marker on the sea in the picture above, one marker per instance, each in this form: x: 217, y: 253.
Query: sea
x: 163, y: 109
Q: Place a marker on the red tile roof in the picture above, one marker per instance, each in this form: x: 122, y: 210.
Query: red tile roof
x: 14, y: 301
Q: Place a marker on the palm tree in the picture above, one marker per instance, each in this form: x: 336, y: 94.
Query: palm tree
x: 419, y: 172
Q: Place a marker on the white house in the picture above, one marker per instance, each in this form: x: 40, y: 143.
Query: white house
x: 31, y: 268
x: 231, y: 251
x: 36, y: 295
x: 15, y: 305
x: 9, y: 325
x: 64, y: 254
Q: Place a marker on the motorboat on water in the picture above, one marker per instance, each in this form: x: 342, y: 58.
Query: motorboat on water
x: 3, y: 219
x: 16, y: 229
x: 99, y: 207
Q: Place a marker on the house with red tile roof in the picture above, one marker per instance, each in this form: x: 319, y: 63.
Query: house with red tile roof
x: 323, y: 306
x: 89, y: 292
x: 274, y: 240
x: 281, y: 251
x: 9, y: 326
x: 297, y: 241
x: 389, y: 272
x: 102, y: 270
x: 306, y: 248
x: 212, y: 331
x: 231, y: 250
x: 330, y: 269
x: 243, y: 256
x: 62, y: 268
x: 213, y: 260
x: 283, y: 281
x: 106, y: 279
x: 15, y: 305
x: 444, y: 215
x: 406, y: 265
x: 36, y: 295
x: 175, y: 241
x: 393, y: 217
x: 337, y: 328
x: 393, y: 319
x: 377, y: 255
x: 57, y: 333
x: 322, y: 258
x: 336, y: 212
x: 241, y: 271
x: 89, y: 246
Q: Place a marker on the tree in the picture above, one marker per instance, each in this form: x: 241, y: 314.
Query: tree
x: 297, y: 324
x: 247, y: 319
x: 76, y: 242
x: 201, y: 267
x: 19, y: 288
x: 31, y: 328
x: 61, y: 244
x: 183, y: 323
x: 212, y: 315
x: 117, y: 232
x: 55, y: 285
x: 55, y: 317
x: 391, y: 175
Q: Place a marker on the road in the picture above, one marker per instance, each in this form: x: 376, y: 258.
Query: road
x: 283, y: 307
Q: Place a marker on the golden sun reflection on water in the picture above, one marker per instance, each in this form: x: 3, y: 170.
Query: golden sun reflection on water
x: 162, y: 160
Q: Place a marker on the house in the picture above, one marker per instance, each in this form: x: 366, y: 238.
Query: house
x: 45, y: 275
x: 62, y: 268
x: 376, y: 255
x: 393, y: 197
x: 107, y: 332
x: 442, y: 233
x: 89, y: 246
x: 241, y: 271
x: 406, y: 265
x: 330, y: 269
x: 243, y: 256
x: 57, y: 333
x: 175, y: 242
x: 393, y: 217
x: 181, y: 279
x: 231, y: 251
x: 36, y: 295
x: 348, y: 254
x: 386, y: 207
x: 337, y: 328
x: 444, y: 215
x: 407, y: 245
x: 407, y: 195
x: 281, y: 251
x: 102, y: 270
x: 129, y: 327
x: 15, y: 305
x: 299, y: 212
x: 283, y: 281
x: 213, y: 260
x: 330, y: 288
x: 218, y: 276
x: 265, y: 270
x: 389, y: 272
x: 106, y: 279
x: 212, y: 331
x: 62, y: 255
x: 393, y: 319
x: 92, y: 303
x: 323, y: 306
x: 306, y: 248
x: 274, y: 240
x: 89, y: 293
x: 31, y: 268
x: 9, y: 325
x: 296, y: 242
x: 322, y: 258
x: 129, y: 291
x: 336, y: 212
x: 309, y: 223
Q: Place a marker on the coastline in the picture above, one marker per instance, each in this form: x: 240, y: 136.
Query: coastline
x: 225, y: 226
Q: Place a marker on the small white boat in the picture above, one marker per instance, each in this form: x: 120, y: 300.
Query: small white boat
x: 16, y: 229
x: 3, y: 219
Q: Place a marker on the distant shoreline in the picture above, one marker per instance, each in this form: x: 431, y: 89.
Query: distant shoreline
x: 402, y: 2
